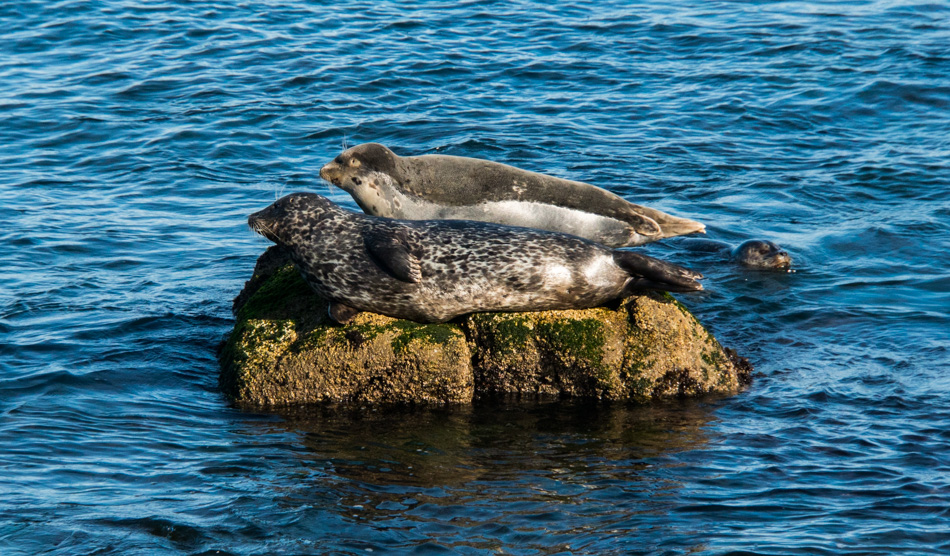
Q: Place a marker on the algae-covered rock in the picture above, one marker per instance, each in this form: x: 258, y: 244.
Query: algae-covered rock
x: 573, y: 352
x: 649, y: 347
x: 284, y: 351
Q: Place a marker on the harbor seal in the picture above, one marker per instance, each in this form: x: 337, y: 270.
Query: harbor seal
x: 754, y: 253
x: 434, y: 186
x: 435, y: 270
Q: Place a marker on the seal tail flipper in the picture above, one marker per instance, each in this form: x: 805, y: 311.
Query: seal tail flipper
x: 670, y: 225
x: 647, y: 273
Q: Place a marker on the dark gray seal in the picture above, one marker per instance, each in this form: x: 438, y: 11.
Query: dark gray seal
x: 434, y: 186
x: 435, y: 270
x: 754, y: 253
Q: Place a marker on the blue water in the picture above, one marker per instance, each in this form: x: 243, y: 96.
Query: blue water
x: 135, y: 137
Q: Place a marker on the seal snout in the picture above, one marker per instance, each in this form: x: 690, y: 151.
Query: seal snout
x: 262, y: 222
x: 783, y: 261
x: 331, y: 172
x: 780, y: 259
x: 258, y: 226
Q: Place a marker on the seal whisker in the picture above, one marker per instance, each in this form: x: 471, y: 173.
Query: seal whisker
x: 261, y: 228
x: 328, y: 184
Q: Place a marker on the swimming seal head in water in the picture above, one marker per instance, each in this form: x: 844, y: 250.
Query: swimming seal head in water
x: 758, y: 253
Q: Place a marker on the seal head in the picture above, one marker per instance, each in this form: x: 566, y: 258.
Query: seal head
x: 369, y: 173
x: 285, y: 221
x: 435, y: 270
x: 453, y: 187
x: 757, y: 253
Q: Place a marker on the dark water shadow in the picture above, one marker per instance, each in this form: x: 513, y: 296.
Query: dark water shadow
x: 499, y: 473
x: 451, y: 445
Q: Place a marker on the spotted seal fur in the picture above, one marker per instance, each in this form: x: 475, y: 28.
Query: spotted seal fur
x: 435, y: 270
x: 454, y: 187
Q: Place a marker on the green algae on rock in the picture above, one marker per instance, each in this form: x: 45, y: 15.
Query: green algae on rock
x: 285, y: 351
x: 570, y: 352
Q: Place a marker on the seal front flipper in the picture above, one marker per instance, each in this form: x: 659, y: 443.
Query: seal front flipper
x: 341, y: 313
x: 392, y: 248
x: 653, y: 274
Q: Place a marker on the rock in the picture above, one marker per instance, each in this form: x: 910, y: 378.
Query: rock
x: 285, y: 351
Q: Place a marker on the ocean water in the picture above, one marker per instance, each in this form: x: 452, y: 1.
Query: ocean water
x: 135, y: 137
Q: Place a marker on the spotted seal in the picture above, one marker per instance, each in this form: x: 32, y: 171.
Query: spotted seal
x: 454, y: 187
x: 754, y: 253
x: 435, y: 270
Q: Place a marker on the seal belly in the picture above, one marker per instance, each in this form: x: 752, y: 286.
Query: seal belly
x: 542, y: 281
x: 595, y: 227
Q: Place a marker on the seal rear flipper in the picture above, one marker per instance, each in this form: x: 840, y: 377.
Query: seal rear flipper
x: 667, y: 224
x: 642, y: 225
x: 393, y: 250
x: 341, y: 313
x: 654, y: 274
x: 635, y: 285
